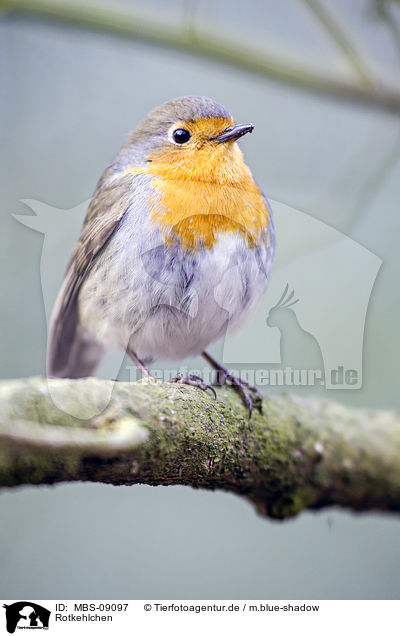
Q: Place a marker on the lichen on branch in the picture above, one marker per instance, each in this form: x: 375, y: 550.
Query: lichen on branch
x: 299, y: 453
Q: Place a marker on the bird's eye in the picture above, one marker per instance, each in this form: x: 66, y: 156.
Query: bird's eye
x: 181, y: 135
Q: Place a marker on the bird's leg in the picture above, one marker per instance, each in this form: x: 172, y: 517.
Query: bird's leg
x: 138, y: 362
x: 241, y: 386
x: 192, y: 380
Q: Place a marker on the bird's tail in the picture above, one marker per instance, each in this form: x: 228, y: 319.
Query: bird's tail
x: 71, y: 351
x: 75, y: 358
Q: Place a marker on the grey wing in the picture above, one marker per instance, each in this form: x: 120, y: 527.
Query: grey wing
x: 267, y: 254
x: 71, y: 353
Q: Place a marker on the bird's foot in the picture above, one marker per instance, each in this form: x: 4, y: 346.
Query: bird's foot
x: 193, y: 380
x: 250, y: 395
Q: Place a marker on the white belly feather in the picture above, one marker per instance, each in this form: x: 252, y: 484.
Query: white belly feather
x: 167, y: 304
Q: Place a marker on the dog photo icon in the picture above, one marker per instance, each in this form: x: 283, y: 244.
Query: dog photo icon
x: 26, y: 615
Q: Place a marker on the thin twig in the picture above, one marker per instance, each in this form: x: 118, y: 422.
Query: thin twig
x: 332, y: 26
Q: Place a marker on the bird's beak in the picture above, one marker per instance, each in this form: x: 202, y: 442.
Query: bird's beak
x: 234, y: 132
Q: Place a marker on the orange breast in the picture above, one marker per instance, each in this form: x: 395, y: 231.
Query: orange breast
x: 203, y: 193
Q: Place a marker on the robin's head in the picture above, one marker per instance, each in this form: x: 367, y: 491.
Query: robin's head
x: 191, y: 138
x: 200, y: 185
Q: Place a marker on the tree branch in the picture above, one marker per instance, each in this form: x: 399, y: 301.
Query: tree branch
x: 342, y: 40
x: 301, y: 453
x: 125, y: 22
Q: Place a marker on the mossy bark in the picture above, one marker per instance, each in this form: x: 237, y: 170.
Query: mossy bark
x: 300, y: 453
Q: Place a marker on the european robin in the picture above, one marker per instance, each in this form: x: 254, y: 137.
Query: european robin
x: 175, y: 250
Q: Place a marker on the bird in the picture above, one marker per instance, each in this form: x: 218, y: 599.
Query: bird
x: 175, y: 250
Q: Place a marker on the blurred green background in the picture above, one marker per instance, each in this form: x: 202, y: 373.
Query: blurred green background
x: 69, y: 97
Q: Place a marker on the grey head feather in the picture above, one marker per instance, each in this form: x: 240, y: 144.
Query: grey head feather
x: 152, y: 131
x: 187, y: 108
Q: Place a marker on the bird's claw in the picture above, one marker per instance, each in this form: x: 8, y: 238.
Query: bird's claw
x: 243, y: 388
x: 194, y: 380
